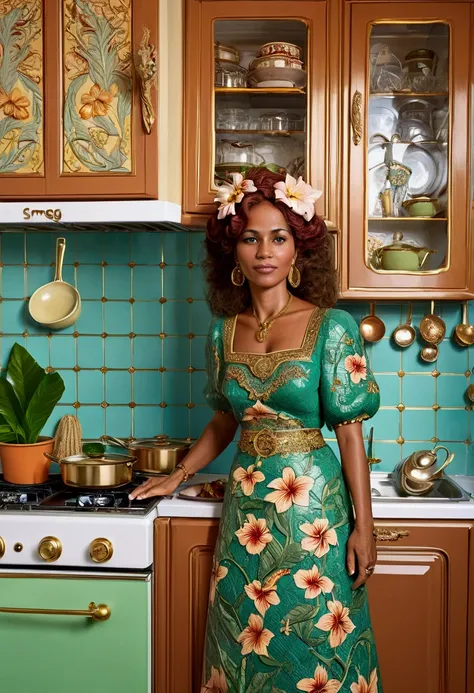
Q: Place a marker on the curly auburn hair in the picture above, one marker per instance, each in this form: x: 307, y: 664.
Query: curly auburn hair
x: 312, y: 242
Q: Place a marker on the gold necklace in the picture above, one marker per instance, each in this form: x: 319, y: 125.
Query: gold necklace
x: 263, y: 327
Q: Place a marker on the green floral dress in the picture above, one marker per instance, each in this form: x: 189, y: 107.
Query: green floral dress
x: 282, y: 616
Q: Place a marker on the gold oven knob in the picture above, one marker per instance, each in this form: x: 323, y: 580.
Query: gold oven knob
x: 50, y: 549
x: 101, y: 550
x: 2, y: 547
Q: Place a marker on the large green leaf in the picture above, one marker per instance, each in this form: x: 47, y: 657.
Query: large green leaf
x: 6, y: 434
x: 25, y: 374
x: 47, y: 395
x: 10, y: 410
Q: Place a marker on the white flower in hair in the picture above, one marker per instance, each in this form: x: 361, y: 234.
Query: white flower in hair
x: 298, y: 195
x: 229, y: 194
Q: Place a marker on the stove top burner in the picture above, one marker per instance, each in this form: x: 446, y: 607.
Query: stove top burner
x: 55, y: 496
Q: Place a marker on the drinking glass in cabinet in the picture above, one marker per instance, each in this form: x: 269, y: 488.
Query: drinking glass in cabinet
x: 407, y: 148
x: 269, y: 111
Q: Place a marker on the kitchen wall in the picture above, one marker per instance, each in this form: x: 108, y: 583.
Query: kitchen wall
x: 134, y: 362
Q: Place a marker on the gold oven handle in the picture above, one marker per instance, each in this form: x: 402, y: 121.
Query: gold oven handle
x: 385, y: 534
x: 356, y: 117
x: 98, y: 612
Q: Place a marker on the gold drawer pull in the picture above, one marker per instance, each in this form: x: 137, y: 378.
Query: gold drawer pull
x: 385, y: 534
x: 98, y: 612
x: 356, y: 117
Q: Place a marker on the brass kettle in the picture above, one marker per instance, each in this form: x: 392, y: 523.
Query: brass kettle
x: 416, y: 474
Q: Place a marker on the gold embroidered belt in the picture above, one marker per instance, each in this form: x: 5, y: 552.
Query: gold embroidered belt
x: 265, y: 443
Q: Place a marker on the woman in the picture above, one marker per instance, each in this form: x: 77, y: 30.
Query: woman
x: 287, y: 608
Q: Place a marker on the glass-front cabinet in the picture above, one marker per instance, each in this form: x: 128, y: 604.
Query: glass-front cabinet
x: 408, y: 175
x: 255, y: 93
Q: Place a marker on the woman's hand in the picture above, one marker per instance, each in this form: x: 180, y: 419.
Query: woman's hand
x: 361, y: 554
x: 158, y: 486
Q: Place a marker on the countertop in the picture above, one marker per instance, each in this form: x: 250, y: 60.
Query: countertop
x: 415, y: 509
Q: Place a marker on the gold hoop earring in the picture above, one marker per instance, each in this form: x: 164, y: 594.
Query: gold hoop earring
x: 237, y: 276
x: 294, y: 275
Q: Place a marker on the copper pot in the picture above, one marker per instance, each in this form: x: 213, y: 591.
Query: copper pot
x: 107, y: 471
x: 158, y: 455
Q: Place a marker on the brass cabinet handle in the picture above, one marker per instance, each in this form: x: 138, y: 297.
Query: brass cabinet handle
x: 98, y: 612
x: 385, y: 534
x: 146, y: 69
x: 356, y: 117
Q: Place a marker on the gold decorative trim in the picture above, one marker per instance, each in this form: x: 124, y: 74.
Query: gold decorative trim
x: 145, y: 66
x: 401, y: 407
x: 356, y: 419
x: 263, y: 365
x: 356, y: 117
x: 265, y: 443
x: 372, y: 387
x: 292, y: 373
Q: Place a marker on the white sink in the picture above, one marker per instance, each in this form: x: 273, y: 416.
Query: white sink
x: 444, y: 489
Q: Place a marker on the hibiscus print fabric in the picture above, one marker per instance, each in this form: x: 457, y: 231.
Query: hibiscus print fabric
x: 282, y: 616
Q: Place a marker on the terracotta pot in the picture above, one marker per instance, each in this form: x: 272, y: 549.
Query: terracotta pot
x: 26, y: 463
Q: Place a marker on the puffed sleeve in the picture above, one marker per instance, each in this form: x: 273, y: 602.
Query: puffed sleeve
x: 214, y: 363
x: 348, y: 390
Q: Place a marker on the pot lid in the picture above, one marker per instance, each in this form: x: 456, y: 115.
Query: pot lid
x: 107, y: 458
x: 398, y: 245
x: 161, y: 442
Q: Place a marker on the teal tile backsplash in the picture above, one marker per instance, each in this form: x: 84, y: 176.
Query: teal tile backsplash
x: 134, y: 362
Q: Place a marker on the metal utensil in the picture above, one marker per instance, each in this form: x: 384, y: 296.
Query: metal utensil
x: 429, y: 353
x: 470, y: 392
x: 432, y: 327
x: 108, y: 471
x: 464, y: 332
x: 371, y: 327
x: 158, y: 455
x: 370, y: 446
x: 404, y: 334
x: 56, y: 304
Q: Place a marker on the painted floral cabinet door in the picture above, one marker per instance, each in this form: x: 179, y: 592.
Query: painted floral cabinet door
x: 72, y: 120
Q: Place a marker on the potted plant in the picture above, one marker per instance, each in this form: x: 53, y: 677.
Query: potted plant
x: 28, y: 396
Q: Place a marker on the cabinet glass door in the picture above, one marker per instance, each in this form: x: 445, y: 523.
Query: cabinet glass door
x: 260, y: 77
x: 407, y: 148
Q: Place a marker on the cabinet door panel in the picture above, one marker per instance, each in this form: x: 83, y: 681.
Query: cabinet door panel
x: 382, y: 38
x: 22, y: 95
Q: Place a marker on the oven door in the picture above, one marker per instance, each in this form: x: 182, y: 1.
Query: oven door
x: 75, y: 632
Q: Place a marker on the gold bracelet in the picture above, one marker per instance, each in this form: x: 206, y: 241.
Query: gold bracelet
x: 187, y: 475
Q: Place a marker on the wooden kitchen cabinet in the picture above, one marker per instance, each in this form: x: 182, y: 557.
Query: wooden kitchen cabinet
x: 70, y: 110
x: 406, y: 102
x: 217, y: 142
x: 419, y: 599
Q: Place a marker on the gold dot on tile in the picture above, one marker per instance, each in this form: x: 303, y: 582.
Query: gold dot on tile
x: 75, y: 334
x: 104, y: 369
x: 75, y: 264
x: 131, y: 300
x: 468, y: 407
x: 104, y: 335
x: 191, y: 369
x: 49, y: 335
x: 436, y: 407
x: 49, y: 369
x: 434, y: 439
x: 25, y: 334
x: 401, y: 374
x: 162, y: 299
x: 103, y: 263
x: 162, y: 265
x: 190, y: 405
x: 435, y: 373
x: 103, y: 299
x: 162, y: 369
x: 132, y: 264
x: 400, y: 440
x: 468, y: 441
x: 191, y: 335
x: 132, y: 335
x: 401, y: 407
x: 76, y: 369
x: 131, y: 369
x: 76, y: 405
x: 163, y: 405
x: 132, y: 405
x: 25, y: 264
x: 190, y: 265
x: 104, y: 405
x: 162, y: 335
x: 467, y: 374
x: 190, y: 300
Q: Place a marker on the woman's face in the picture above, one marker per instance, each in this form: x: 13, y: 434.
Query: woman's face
x: 265, y: 249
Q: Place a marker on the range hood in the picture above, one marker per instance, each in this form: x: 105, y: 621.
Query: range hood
x: 156, y: 214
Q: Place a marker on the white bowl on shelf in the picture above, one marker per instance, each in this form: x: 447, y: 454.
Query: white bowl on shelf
x: 285, y: 76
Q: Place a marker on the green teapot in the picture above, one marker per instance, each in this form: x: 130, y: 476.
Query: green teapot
x: 402, y: 257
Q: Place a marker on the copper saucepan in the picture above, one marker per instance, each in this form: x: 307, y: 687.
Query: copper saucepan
x: 158, y: 455
x: 107, y: 471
